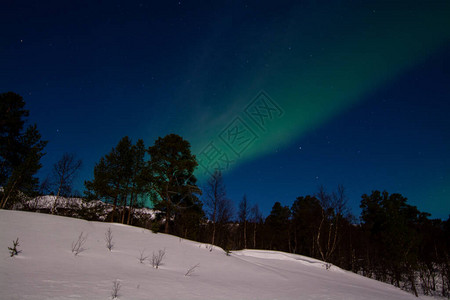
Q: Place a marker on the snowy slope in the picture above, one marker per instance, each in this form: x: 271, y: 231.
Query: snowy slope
x: 47, y: 268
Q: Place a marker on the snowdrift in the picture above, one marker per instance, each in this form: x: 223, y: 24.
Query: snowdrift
x: 47, y: 268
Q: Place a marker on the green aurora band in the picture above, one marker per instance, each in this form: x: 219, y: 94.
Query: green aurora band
x: 314, y: 76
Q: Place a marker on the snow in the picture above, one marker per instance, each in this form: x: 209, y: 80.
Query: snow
x: 47, y: 269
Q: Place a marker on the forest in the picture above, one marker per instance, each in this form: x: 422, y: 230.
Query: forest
x: 391, y: 241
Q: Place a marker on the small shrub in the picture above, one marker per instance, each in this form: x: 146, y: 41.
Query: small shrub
x: 115, y: 289
x: 13, y: 251
x: 142, y: 257
x: 155, y: 226
x: 77, y: 246
x: 109, y: 239
x: 191, y: 270
x: 157, y: 258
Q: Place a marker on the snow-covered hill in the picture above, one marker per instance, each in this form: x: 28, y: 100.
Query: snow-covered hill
x: 48, y: 269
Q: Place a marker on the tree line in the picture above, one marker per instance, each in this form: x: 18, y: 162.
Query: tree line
x: 391, y: 240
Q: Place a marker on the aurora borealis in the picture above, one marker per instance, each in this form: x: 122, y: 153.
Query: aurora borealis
x: 362, y: 88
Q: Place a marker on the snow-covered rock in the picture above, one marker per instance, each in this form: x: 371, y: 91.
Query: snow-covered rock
x: 78, y: 207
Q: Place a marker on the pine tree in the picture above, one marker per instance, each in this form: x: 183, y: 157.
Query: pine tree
x: 188, y: 217
x: 122, y: 158
x: 392, y: 225
x: 170, y: 171
x: 113, y: 176
x: 278, y: 226
x: 306, y: 216
x: 137, y: 183
x: 20, y: 151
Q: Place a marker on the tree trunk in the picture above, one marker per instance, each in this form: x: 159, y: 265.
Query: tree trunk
x: 295, y: 242
x: 114, y: 209
x: 254, y: 236
x: 131, y: 207
x: 166, y: 226
x: 7, y: 195
x: 124, y: 208
x: 55, y: 204
x: 245, y: 234
x: 213, y: 233
x: 327, y: 250
x: 318, y: 237
x: 313, y: 248
x: 289, y: 241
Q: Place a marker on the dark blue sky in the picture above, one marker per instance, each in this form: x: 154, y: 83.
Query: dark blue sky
x: 359, y: 91
x: 395, y: 139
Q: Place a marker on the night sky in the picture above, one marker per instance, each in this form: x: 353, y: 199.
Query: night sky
x: 284, y: 96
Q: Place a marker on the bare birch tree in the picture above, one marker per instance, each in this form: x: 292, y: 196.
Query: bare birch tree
x: 215, y: 195
x: 243, y: 214
x: 333, y: 209
x: 63, y: 174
